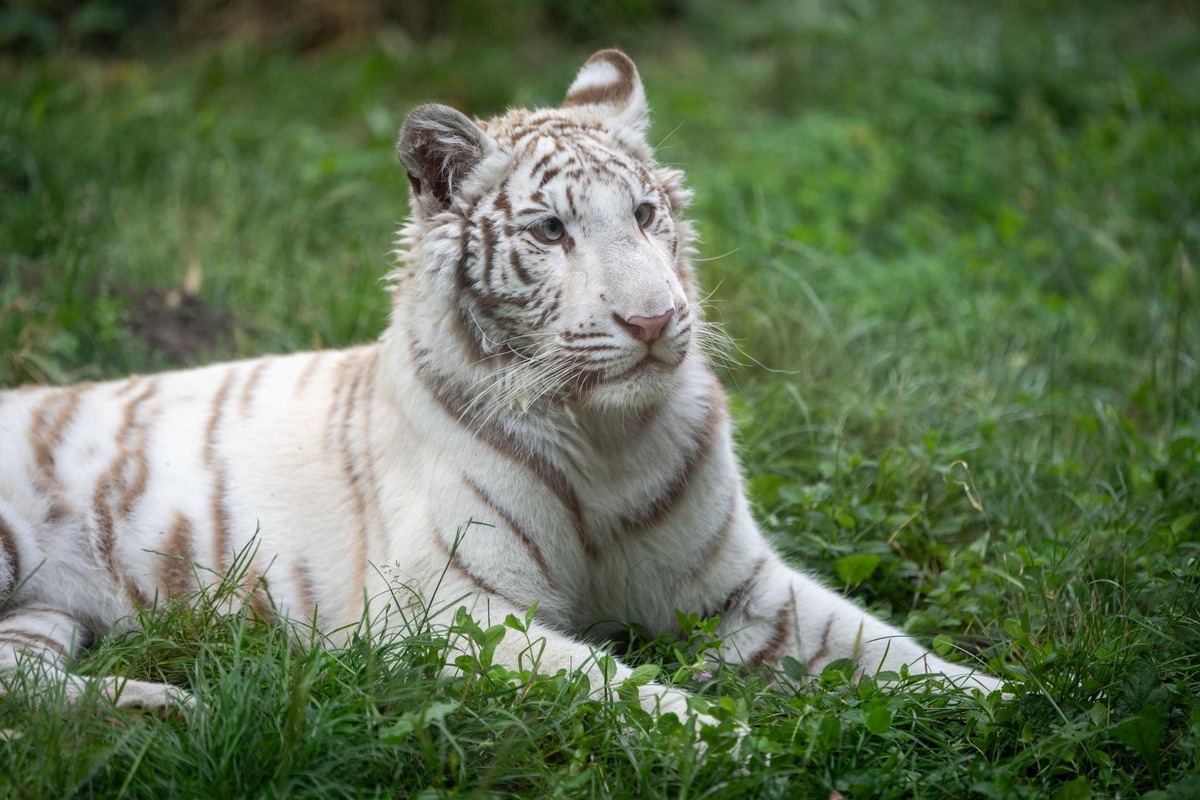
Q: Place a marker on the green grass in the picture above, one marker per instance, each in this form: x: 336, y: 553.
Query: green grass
x: 957, y: 247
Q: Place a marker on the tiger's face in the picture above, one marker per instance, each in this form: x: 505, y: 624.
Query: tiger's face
x: 577, y: 272
x: 571, y: 278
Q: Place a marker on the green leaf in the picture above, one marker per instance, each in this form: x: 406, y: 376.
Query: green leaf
x: 492, y: 636
x: 1183, y: 523
x: 415, y: 721
x: 608, y: 668
x: 879, y: 720
x: 793, y: 668
x: 1015, y: 630
x: 853, y: 570
x: 1078, y: 789
x: 1143, y: 734
x: 643, y: 674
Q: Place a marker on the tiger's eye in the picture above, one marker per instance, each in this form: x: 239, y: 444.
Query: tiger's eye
x: 644, y: 214
x: 550, y: 229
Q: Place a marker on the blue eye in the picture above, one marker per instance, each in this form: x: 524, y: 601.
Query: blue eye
x: 550, y: 229
x: 644, y: 214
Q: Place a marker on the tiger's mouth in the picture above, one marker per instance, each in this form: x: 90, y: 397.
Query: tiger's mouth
x: 647, y: 379
x: 650, y: 363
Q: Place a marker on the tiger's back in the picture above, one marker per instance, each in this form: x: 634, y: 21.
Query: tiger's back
x: 539, y: 424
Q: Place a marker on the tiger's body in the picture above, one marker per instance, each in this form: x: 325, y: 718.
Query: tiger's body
x: 538, y: 424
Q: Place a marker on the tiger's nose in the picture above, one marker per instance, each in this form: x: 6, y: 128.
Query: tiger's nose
x: 645, y: 329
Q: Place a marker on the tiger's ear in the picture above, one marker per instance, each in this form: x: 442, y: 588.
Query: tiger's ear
x: 609, y: 86
x: 439, y: 147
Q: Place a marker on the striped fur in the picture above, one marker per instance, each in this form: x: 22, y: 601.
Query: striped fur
x: 543, y: 374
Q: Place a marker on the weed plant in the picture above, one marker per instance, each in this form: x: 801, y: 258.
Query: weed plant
x: 956, y: 247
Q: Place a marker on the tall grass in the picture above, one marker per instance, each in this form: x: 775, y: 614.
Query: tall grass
x: 956, y: 247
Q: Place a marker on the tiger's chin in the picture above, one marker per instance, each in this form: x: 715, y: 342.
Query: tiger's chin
x: 646, y: 384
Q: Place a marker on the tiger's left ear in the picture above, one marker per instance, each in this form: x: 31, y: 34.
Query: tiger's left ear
x: 609, y: 86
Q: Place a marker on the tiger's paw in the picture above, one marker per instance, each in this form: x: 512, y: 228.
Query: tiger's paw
x: 659, y: 700
x: 148, y: 696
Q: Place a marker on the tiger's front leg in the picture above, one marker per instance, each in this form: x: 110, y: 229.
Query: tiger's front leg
x: 38, y: 643
x: 541, y: 649
x: 777, y: 611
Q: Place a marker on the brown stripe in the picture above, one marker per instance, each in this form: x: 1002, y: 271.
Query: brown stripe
x: 508, y: 519
x: 45, y: 435
x: 108, y: 544
x: 488, y: 232
x: 773, y: 648
x: 221, y: 521
x: 302, y: 577
x: 468, y: 333
x: 514, y: 260
x: 214, y: 419
x: 716, y: 544
x: 131, y: 491
x: 12, y: 557
x: 134, y: 489
x: 367, y: 455
x: 251, y: 384
x: 455, y: 560
x: 456, y: 406
x: 129, y: 385
x: 502, y: 203
x: 335, y: 405
x: 307, y: 373
x: 177, y: 571
x: 19, y: 637
x: 257, y: 596
x: 549, y: 310
x: 738, y: 595
x: 220, y: 514
x: 354, y: 477
x: 113, y: 490
x: 662, y: 506
x: 57, y: 510
x: 823, y: 650
x: 542, y: 162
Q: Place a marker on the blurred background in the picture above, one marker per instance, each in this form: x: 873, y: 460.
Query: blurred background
x: 954, y: 244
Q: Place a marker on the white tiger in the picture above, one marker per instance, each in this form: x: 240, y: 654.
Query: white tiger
x: 540, y: 375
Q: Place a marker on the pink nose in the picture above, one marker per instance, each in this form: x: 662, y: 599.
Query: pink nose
x: 645, y: 329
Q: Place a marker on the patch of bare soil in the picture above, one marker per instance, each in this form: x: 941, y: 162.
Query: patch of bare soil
x: 178, y: 325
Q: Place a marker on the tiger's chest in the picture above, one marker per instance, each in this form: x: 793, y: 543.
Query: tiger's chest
x: 600, y: 523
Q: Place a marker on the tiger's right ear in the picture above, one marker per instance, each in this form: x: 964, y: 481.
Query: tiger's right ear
x: 439, y: 147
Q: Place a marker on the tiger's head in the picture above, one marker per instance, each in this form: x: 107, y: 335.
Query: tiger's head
x: 548, y: 247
